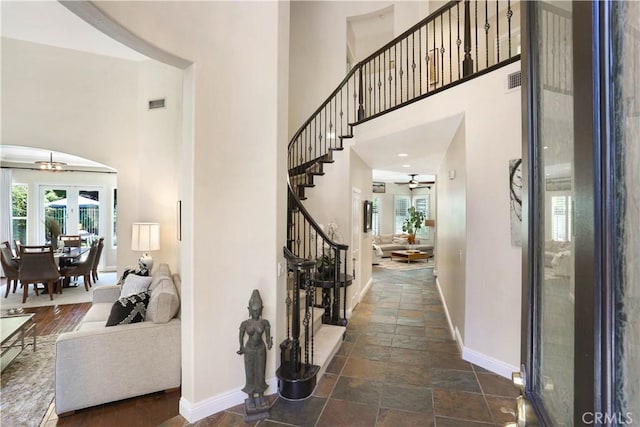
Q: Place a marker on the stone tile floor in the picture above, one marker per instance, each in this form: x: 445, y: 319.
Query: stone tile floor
x: 398, y: 366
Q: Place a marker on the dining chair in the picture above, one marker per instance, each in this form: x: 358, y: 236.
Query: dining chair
x: 96, y: 260
x: 38, y: 266
x: 10, y: 267
x: 17, y: 243
x: 71, y: 240
x: 82, y: 268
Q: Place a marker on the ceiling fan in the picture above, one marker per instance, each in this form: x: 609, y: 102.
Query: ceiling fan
x: 414, y: 183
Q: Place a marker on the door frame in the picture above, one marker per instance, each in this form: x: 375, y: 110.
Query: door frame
x: 356, y: 245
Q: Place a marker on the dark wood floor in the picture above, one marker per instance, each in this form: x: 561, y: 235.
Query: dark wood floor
x: 150, y: 410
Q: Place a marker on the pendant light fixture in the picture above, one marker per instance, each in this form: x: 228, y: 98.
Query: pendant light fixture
x: 50, y: 165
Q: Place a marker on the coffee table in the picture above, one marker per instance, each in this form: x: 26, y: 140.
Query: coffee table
x: 14, y: 330
x: 410, y: 255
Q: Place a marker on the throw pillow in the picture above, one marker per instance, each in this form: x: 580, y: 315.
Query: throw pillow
x: 131, y: 309
x: 400, y: 240
x: 386, y: 238
x: 134, y: 284
x: 164, y: 302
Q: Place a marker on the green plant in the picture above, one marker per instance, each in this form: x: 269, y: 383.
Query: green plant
x: 325, y: 265
x: 414, y: 222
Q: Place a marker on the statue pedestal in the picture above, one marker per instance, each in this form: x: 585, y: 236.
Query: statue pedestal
x: 256, y: 408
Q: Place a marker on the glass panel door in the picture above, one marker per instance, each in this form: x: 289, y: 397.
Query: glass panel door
x: 553, y: 373
x: 75, y: 209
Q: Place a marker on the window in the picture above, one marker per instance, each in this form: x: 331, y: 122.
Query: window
x: 375, y: 228
x: 401, y: 206
x: 422, y: 205
x: 19, y: 193
x: 561, y: 218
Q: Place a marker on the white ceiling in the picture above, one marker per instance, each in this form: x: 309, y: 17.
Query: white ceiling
x: 11, y: 155
x: 50, y: 23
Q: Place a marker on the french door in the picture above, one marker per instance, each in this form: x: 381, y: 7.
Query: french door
x: 581, y: 294
x: 77, y: 210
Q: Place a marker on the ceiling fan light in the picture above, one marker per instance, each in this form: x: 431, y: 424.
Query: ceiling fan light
x: 413, y: 184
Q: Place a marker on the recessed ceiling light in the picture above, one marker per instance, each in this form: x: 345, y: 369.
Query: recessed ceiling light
x: 406, y: 166
x: 403, y: 155
x: 546, y: 148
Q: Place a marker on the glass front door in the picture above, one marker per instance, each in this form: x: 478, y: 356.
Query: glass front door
x: 582, y: 293
x: 556, y: 293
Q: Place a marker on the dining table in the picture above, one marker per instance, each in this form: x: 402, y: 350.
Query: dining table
x: 69, y: 254
x: 66, y: 256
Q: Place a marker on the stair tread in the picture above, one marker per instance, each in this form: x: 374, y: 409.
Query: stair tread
x: 327, y: 341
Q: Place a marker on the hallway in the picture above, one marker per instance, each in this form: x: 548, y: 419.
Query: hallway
x: 398, y: 366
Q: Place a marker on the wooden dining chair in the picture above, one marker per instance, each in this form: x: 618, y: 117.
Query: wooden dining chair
x: 96, y: 260
x: 17, y: 243
x: 10, y: 267
x: 37, y: 265
x: 82, y: 268
x: 71, y: 240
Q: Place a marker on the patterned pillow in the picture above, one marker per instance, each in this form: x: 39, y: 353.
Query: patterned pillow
x: 131, y: 309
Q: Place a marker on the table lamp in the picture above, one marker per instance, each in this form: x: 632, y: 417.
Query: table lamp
x: 145, y: 237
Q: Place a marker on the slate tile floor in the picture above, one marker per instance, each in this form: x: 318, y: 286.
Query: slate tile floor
x: 398, y: 366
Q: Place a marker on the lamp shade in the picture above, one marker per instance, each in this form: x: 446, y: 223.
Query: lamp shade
x: 430, y: 222
x: 145, y: 236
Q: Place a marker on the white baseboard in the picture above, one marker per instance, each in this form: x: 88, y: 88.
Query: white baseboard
x: 489, y: 363
x: 453, y: 330
x: 197, y: 411
x: 362, y: 293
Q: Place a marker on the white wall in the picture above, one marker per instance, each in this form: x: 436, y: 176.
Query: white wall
x: 94, y: 107
x: 235, y: 189
x: 493, y: 266
x: 451, y: 222
x: 318, y: 49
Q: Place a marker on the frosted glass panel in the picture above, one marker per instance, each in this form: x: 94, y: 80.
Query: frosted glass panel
x: 555, y: 334
x: 626, y: 83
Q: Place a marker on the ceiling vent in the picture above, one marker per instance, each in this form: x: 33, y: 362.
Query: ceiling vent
x: 154, y: 104
x: 514, y: 81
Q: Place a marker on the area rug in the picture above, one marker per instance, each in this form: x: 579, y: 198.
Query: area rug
x: 27, y: 385
x: 403, y: 265
x: 72, y: 295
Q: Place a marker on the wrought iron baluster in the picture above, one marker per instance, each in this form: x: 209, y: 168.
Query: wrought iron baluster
x: 420, y: 57
x: 486, y: 32
x: 450, y: 60
x: 413, y: 62
x: 476, y: 17
x: 497, y: 34
x: 509, y: 15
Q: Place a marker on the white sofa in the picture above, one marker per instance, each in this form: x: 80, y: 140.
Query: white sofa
x: 96, y: 364
x: 397, y: 242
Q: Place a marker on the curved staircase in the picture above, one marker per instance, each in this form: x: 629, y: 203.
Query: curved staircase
x: 424, y: 60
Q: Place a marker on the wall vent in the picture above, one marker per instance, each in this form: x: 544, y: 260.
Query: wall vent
x: 514, y: 81
x: 154, y: 104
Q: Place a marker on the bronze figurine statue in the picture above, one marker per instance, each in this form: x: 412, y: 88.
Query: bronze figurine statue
x: 255, y: 355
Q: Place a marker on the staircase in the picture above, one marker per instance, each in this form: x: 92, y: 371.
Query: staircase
x: 426, y: 59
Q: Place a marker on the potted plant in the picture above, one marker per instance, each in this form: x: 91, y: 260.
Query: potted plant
x: 325, y: 265
x: 53, y: 230
x: 413, y: 224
